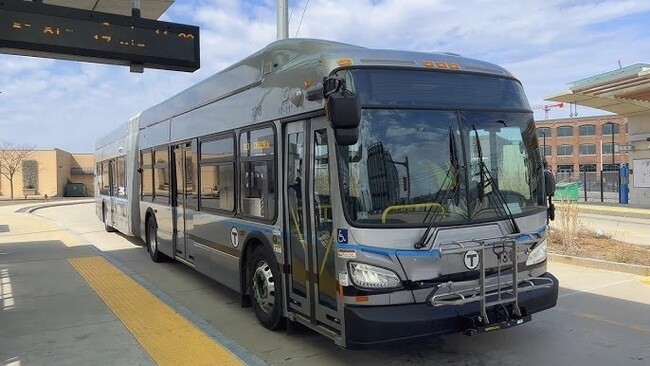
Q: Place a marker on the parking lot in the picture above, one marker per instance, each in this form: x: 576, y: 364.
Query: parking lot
x: 601, y: 317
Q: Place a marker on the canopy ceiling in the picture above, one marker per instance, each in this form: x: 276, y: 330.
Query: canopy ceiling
x: 150, y: 9
x: 625, y: 91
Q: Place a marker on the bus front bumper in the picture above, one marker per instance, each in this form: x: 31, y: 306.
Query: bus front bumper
x: 371, y: 326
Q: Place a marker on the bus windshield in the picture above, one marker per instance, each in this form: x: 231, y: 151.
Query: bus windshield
x: 418, y: 162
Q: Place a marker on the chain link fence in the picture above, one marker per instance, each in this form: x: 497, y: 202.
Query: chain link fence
x: 591, y: 186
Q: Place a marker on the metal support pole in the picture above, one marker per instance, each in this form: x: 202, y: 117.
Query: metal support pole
x: 136, y: 67
x: 584, y: 183
x: 283, y: 19
x: 602, y: 187
x: 135, y: 11
x: 544, y: 152
x: 613, y: 163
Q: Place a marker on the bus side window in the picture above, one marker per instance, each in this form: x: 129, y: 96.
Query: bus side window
x: 257, y: 151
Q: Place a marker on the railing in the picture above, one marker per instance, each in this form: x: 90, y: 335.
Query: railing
x: 592, y: 186
x: 413, y: 207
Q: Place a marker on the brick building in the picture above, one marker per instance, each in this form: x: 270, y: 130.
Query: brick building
x: 583, y: 144
x: 51, y: 171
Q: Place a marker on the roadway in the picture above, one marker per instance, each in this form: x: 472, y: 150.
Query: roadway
x: 633, y: 230
x: 601, y: 317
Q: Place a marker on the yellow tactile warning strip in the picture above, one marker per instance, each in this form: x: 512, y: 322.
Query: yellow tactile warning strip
x: 169, y: 338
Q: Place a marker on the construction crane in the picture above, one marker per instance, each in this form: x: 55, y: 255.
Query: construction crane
x: 547, y: 107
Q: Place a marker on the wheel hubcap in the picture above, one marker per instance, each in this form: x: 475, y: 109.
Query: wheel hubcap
x: 264, y: 287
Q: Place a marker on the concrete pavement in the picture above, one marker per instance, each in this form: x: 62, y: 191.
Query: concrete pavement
x: 61, y: 303
x: 51, y: 315
x: 48, y: 313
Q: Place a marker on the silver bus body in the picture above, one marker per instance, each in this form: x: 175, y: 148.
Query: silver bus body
x: 215, y: 168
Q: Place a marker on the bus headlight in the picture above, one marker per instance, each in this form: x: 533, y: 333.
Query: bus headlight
x: 365, y: 275
x: 538, y: 254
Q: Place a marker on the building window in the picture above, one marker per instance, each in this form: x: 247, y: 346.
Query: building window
x: 587, y: 149
x: 607, y: 128
x: 543, y: 131
x: 564, y: 131
x: 607, y: 148
x: 610, y: 167
x: 257, y: 153
x: 217, y: 167
x: 587, y: 167
x: 564, y: 150
x: 587, y: 130
x: 545, y: 150
x: 565, y: 168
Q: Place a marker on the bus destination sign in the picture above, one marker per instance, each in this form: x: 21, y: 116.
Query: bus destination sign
x: 40, y: 30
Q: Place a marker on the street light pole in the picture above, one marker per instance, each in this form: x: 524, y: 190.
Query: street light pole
x: 544, y: 136
x: 612, y: 127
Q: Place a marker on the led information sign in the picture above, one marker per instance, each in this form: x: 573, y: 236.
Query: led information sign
x: 40, y: 30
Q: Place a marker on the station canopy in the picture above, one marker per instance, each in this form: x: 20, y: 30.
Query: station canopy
x: 150, y: 9
x: 625, y: 91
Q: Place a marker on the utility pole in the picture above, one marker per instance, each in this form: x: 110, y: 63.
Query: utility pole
x: 283, y: 19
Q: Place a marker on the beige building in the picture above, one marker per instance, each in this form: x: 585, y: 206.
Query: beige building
x: 48, y: 172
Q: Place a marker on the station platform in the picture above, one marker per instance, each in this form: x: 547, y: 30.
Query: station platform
x: 64, y: 302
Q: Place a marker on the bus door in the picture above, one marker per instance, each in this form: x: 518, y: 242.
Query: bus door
x: 184, y: 197
x: 110, y: 205
x: 312, y: 285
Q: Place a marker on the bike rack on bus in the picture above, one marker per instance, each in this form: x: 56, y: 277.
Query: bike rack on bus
x: 506, y: 249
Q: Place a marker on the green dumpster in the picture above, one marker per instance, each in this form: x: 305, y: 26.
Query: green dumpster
x: 75, y: 190
x: 567, y: 191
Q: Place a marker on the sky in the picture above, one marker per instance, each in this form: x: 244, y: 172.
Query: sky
x: 546, y: 44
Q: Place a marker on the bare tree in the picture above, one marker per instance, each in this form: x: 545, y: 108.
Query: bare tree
x: 11, y: 157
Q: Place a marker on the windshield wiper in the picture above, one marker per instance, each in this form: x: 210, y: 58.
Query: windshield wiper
x: 450, y: 177
x: 484, y: 173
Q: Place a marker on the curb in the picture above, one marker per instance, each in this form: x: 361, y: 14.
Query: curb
x: 636, y: 215
x: 600, y: 264
x: 31, y: 209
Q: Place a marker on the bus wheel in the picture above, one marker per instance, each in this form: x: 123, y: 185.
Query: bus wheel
x: 265, y: 288
x: 107, y: 227
x: 152, y: 242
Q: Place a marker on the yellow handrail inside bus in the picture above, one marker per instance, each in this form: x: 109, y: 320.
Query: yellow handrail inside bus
x: 296, y: 224
x: 327, y: 252
x: 414, y: 207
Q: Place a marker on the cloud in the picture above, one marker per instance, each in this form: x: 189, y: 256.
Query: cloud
x: 545, y: 43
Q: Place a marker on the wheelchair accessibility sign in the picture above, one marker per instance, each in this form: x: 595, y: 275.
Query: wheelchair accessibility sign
x: 342, y: 236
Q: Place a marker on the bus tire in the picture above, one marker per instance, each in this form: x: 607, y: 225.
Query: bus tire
x: 152, y: 242
x: 265, y: 288
x: 107, y: 227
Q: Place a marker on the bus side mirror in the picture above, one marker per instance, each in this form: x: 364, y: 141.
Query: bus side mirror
x: 344, y: 110
x: 549, y: 183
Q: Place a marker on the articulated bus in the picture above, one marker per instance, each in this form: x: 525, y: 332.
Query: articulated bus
x: 371, y: 195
